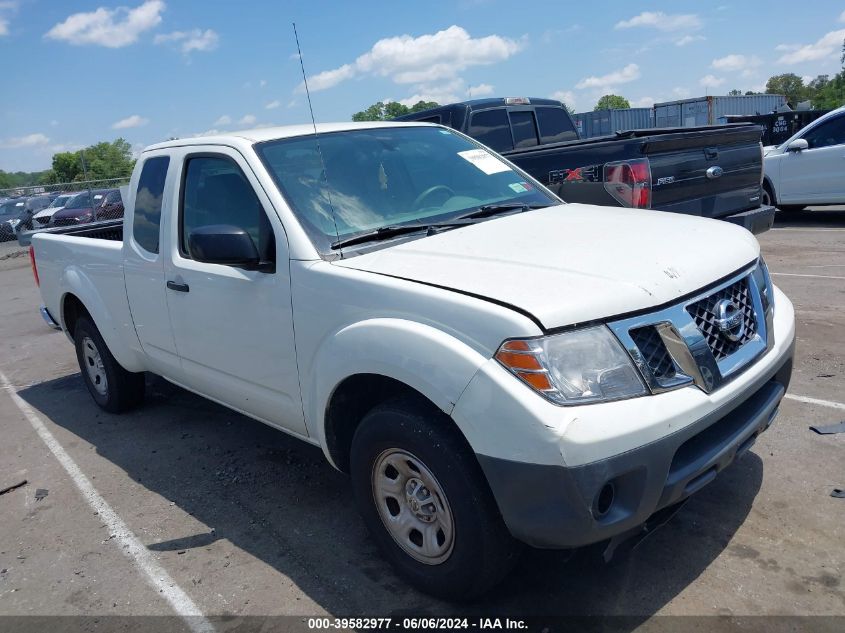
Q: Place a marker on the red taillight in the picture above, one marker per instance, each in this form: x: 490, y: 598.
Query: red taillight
x: 629, y: 182
x: 34, y: 267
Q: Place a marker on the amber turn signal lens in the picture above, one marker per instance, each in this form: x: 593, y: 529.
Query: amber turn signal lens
x: 518, y: 361
x: 540, y: 382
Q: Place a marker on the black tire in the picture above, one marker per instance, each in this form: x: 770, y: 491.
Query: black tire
x: 792, y: 208
x: 482, y: 550
x: 768, y: 194
x: 122, y: 390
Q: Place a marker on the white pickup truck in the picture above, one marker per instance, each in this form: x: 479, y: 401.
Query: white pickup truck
x: 491, y: 366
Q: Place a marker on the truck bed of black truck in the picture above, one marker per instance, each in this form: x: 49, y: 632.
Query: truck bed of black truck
x: 711, y: 171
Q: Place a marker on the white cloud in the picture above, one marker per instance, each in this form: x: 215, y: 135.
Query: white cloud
x: 481, y: 90
x: 631, y: 72
x: 643, y: 102
x: 247, y: 119
x: 567, y: 96
x: 273, y: 105
x: 734, y: 63
x: 223, y: 120
x: 842, y: 17
x: 711, y: 81
x: 7, y: 5
x: 829, y: 45
x: 681, y: 92
x: 689, y: 39
x: 193, y: 40
x: 262, y: 83
x: 112, y: 28
x: 425, y: 59
x: 662, y: 21
x: 54, y: 123
x: 135, y: 120
x: 30, y: 140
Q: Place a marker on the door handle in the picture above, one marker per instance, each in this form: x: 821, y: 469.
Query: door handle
x: 177, y: 286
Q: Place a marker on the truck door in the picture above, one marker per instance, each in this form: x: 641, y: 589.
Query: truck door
x: 233, y: 327
x: 144, y: 263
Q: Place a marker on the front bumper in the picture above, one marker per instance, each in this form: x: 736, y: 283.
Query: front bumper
x: 757, y: 220
x: 559, y: 507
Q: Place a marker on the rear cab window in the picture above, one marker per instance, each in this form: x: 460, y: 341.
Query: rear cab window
x: 492, y: 128
x: 524, y: 128
x: 555, y: 125
x: 146, y: 219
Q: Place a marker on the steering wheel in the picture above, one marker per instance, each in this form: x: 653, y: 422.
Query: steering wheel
x: 429, y: 192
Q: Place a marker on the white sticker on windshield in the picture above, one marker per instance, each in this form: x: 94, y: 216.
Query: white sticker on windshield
x: 484, y: 160
x: 19, y: 204
x: 97, y: 197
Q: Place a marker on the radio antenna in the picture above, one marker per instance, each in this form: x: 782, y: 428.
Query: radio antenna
x: 316, y: 135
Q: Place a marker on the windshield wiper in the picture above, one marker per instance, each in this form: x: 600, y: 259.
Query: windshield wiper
x: 485, y: 211
x: 386, y: 232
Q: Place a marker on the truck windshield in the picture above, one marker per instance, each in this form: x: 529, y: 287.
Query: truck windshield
x: 80, y: 201
x: 387, y: 177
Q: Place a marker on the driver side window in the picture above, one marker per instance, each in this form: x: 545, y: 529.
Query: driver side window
x: 215, y: 191
x: 831, y: 132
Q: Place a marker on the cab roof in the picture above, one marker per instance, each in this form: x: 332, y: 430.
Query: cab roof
x: 259, y: 135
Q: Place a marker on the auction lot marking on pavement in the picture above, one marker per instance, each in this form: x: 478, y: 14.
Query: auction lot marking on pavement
x: 821, y: 403
x: 137, y: 553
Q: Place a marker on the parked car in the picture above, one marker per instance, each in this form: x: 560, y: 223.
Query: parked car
x: 101, y: 204
x: 42, y: 218
x: 808, y: 169
x: 10, y: 212
x: 491, y: 366
x: 26, y: 208
x: 711, y: 171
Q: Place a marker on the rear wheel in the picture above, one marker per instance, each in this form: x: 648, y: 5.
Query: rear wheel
x: 426, y: 503
x: 112, y: 387
x: 768, y: 197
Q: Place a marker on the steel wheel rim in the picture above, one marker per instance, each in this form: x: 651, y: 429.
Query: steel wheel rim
x: 94, y: 366
x: 412, y: 506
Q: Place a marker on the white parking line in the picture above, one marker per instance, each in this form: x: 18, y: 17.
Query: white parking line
x: 128, y: 543
x: 823, y: 403
x: 798, y: 228
x: 800, y: 275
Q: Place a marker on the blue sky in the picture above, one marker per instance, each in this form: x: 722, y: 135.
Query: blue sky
x: 75, y: 72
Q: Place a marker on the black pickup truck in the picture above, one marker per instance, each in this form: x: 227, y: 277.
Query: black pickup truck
x: 713, y: 171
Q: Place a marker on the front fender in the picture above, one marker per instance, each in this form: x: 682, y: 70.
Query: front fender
x: 106, y: 302
x: 426, y: 359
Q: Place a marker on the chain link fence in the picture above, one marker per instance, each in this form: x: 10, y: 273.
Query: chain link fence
x: 62, y: 204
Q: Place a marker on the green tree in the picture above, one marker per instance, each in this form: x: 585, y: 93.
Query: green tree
x: 829, y: 92
x: 612, y: 102
x: 102, y: 161
x: 790, y: 85
x: 735, y: 93
x: 381, y: 111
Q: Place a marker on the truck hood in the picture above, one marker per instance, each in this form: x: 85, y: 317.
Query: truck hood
x: 572, y: 263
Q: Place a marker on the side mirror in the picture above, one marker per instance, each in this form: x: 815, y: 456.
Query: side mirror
x: 223, y: 244
x: 797, y: 145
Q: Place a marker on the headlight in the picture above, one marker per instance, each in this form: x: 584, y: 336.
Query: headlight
x: 577, y: 367
x: 764, y: 283
x: 13, y: 223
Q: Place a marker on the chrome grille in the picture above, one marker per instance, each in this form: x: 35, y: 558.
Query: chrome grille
x: 683, y: 344
x: 704, y: 313
x: 654, y: 352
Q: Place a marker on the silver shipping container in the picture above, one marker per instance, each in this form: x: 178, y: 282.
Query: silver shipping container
x: 708, y: 110
x: 605, y: 122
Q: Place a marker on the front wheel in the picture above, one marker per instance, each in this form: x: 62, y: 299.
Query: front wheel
x: 426, y: 502
x: 112, y: 387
